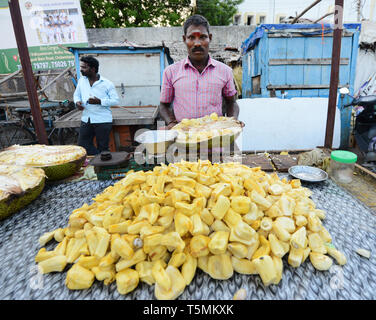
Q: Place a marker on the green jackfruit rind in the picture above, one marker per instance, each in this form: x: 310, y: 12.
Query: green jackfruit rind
x: 14, y: 203
x: 64, y: 170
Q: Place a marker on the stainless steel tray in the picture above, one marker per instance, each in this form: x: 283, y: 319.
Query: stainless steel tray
x: 351, y: 224
x: 308, y: 173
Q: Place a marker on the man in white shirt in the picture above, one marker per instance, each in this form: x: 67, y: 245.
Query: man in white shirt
x: 94, y: 95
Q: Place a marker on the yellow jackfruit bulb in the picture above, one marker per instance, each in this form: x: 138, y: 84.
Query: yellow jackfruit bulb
x: 176, y: 289
x: 280, y: 231
x: 265, y: 267
x: 314, y: 223
x: 137, y: 257
x: 295, y: 183
x: 221, y: 207
x: 59, y: 234
x: 218, y: 242
x: 223, y: 189
x: 199, y: 227
x: 157, y: 253
x: 243, y: 266
x: 316, y: 244
x: 320, y: 261
x: 177, y: 259
x: 182, y: 181
x: 43, y: 254
x: 278, y: 264
x: 287, y: 223
x: 188, y: 269
x: 238, y: 249
x: 199, y: 246
x: 173, y: 239
x: 325, y: 235
x: 264, y: 248
x: 298, y: 238
x: 53, y: 264
x: 241, y: 204
x: 295, y: 257
x: 144, y: 269
x: 152, y: 241
x: 79, y: 278
x: 127, y: 280
x: 300, y: 221
x: 160, y: 276
x: 276, y: 246
x: 220, y: 267
x: 46, y: 237
x: 232, y: 218
x: 122, y: 248
x: 202, y: 263
x: 183, y: 224
x: 88, y: 262
x: 336, y: 254
x: 104, y: 274
x: 276, y: 189
x: 219, y: 225
x: 214, y: 116
x: 242, y: 233
x: 260, y: 200
x: 266, y: 224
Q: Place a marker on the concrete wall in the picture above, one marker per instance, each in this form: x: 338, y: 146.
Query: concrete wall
x: 223, y: 36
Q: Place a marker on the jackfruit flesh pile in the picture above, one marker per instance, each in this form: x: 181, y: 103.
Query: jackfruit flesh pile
x: 15, y: 180
x: 41, y: 155
x: 160, y: 226
x: 205, y: 128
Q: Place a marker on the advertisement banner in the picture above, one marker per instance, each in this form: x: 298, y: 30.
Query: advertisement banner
x: 50, y: 25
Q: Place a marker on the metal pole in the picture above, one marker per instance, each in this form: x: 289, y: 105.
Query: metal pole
x: 23, y: 51
x: 334, y: 74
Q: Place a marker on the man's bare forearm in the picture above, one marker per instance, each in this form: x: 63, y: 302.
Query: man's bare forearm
x: 166, y: 113
x: 232, y: 107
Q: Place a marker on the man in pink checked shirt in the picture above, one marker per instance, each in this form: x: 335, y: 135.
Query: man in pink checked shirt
x: 194, y: 87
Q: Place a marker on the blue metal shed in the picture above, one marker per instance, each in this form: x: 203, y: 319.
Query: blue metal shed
x: 287, y: 61
x: 284, y: 60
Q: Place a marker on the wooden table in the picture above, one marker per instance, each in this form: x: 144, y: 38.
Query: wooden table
x: 122, y: 116
x: 126, y: 121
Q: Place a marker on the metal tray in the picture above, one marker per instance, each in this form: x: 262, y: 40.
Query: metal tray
x: 307, y: 173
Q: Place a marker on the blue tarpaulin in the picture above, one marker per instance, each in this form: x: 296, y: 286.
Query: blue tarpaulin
x: 306, y: 29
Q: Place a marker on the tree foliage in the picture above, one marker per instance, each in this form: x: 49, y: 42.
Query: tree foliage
x: 218, y: 12
x: 134, y: 13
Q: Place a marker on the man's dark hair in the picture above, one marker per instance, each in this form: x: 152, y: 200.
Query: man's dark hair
x: 196, y: 20
x: 91, y: 62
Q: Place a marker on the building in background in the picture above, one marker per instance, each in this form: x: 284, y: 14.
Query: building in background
x: 255, y: 12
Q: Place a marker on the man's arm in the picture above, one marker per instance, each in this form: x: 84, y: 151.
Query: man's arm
x: 111, y: 100
x: 167, y: 115
x: 232, y: 107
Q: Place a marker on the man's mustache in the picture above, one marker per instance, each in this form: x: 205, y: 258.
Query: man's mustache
x: 198, y: 49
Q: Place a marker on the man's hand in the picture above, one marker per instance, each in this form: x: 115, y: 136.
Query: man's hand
x: 79, y: 105
x: 94, y: 100
x: 169, y: 126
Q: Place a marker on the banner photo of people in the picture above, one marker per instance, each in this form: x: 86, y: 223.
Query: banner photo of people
x: 49, y: 27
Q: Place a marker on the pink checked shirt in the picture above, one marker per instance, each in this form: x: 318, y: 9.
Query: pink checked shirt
x: 196, y: 95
